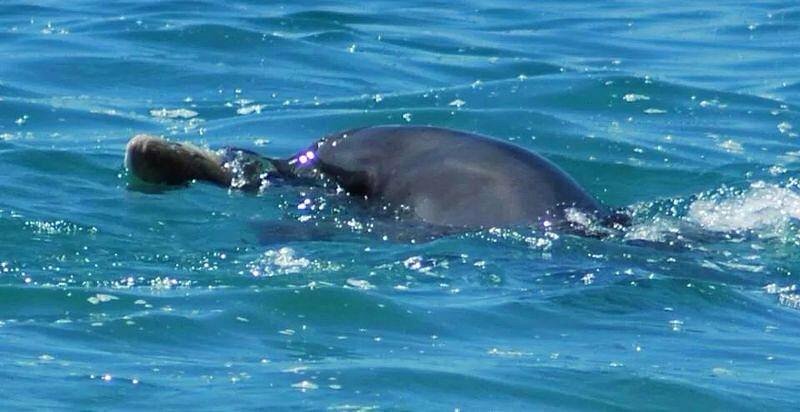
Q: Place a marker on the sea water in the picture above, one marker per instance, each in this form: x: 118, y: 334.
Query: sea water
x: 684, y: 113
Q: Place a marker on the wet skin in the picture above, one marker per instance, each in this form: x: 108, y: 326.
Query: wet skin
x: 438, y: 176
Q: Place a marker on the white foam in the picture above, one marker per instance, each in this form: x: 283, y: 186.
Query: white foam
x: 101, y: 298
x: 762, y: 206
x: 633, y: 97
x: 360, y: 284
x: 457, y: 103
x: 731, y: 146
x: 173, y: 113
x: 787, y: 295
x: 253, y: 108
x: 278, y: 262
x: 656, y: 230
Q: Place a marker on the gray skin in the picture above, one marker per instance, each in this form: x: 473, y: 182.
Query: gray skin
x: 439, y: 176
x: 447, y: 177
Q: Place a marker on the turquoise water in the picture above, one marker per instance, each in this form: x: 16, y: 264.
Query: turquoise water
x: 685, y: 113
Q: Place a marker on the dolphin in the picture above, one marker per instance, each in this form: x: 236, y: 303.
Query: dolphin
x: 434, y: 175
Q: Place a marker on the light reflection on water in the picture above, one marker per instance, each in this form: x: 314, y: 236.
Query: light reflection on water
x: 130, y: 298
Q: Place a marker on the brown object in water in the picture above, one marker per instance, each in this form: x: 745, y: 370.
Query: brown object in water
x: 155, y: 160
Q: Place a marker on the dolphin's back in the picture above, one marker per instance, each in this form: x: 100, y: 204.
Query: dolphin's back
x: 451, y: 178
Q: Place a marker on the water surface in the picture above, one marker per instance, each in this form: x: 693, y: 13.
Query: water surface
x: 685, y: 113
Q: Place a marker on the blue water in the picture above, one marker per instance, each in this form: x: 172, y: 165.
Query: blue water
x: 684, y: 113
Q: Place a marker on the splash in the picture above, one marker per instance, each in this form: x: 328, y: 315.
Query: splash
x: 248, y: 171
x: 278, y: 262
x: 57, y: 227
x: 787, y: 295
x: 632, y: 97
x: 165, y: 113
x: 763, y: 207
x: 253, y: 108
x: 659, y: 230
